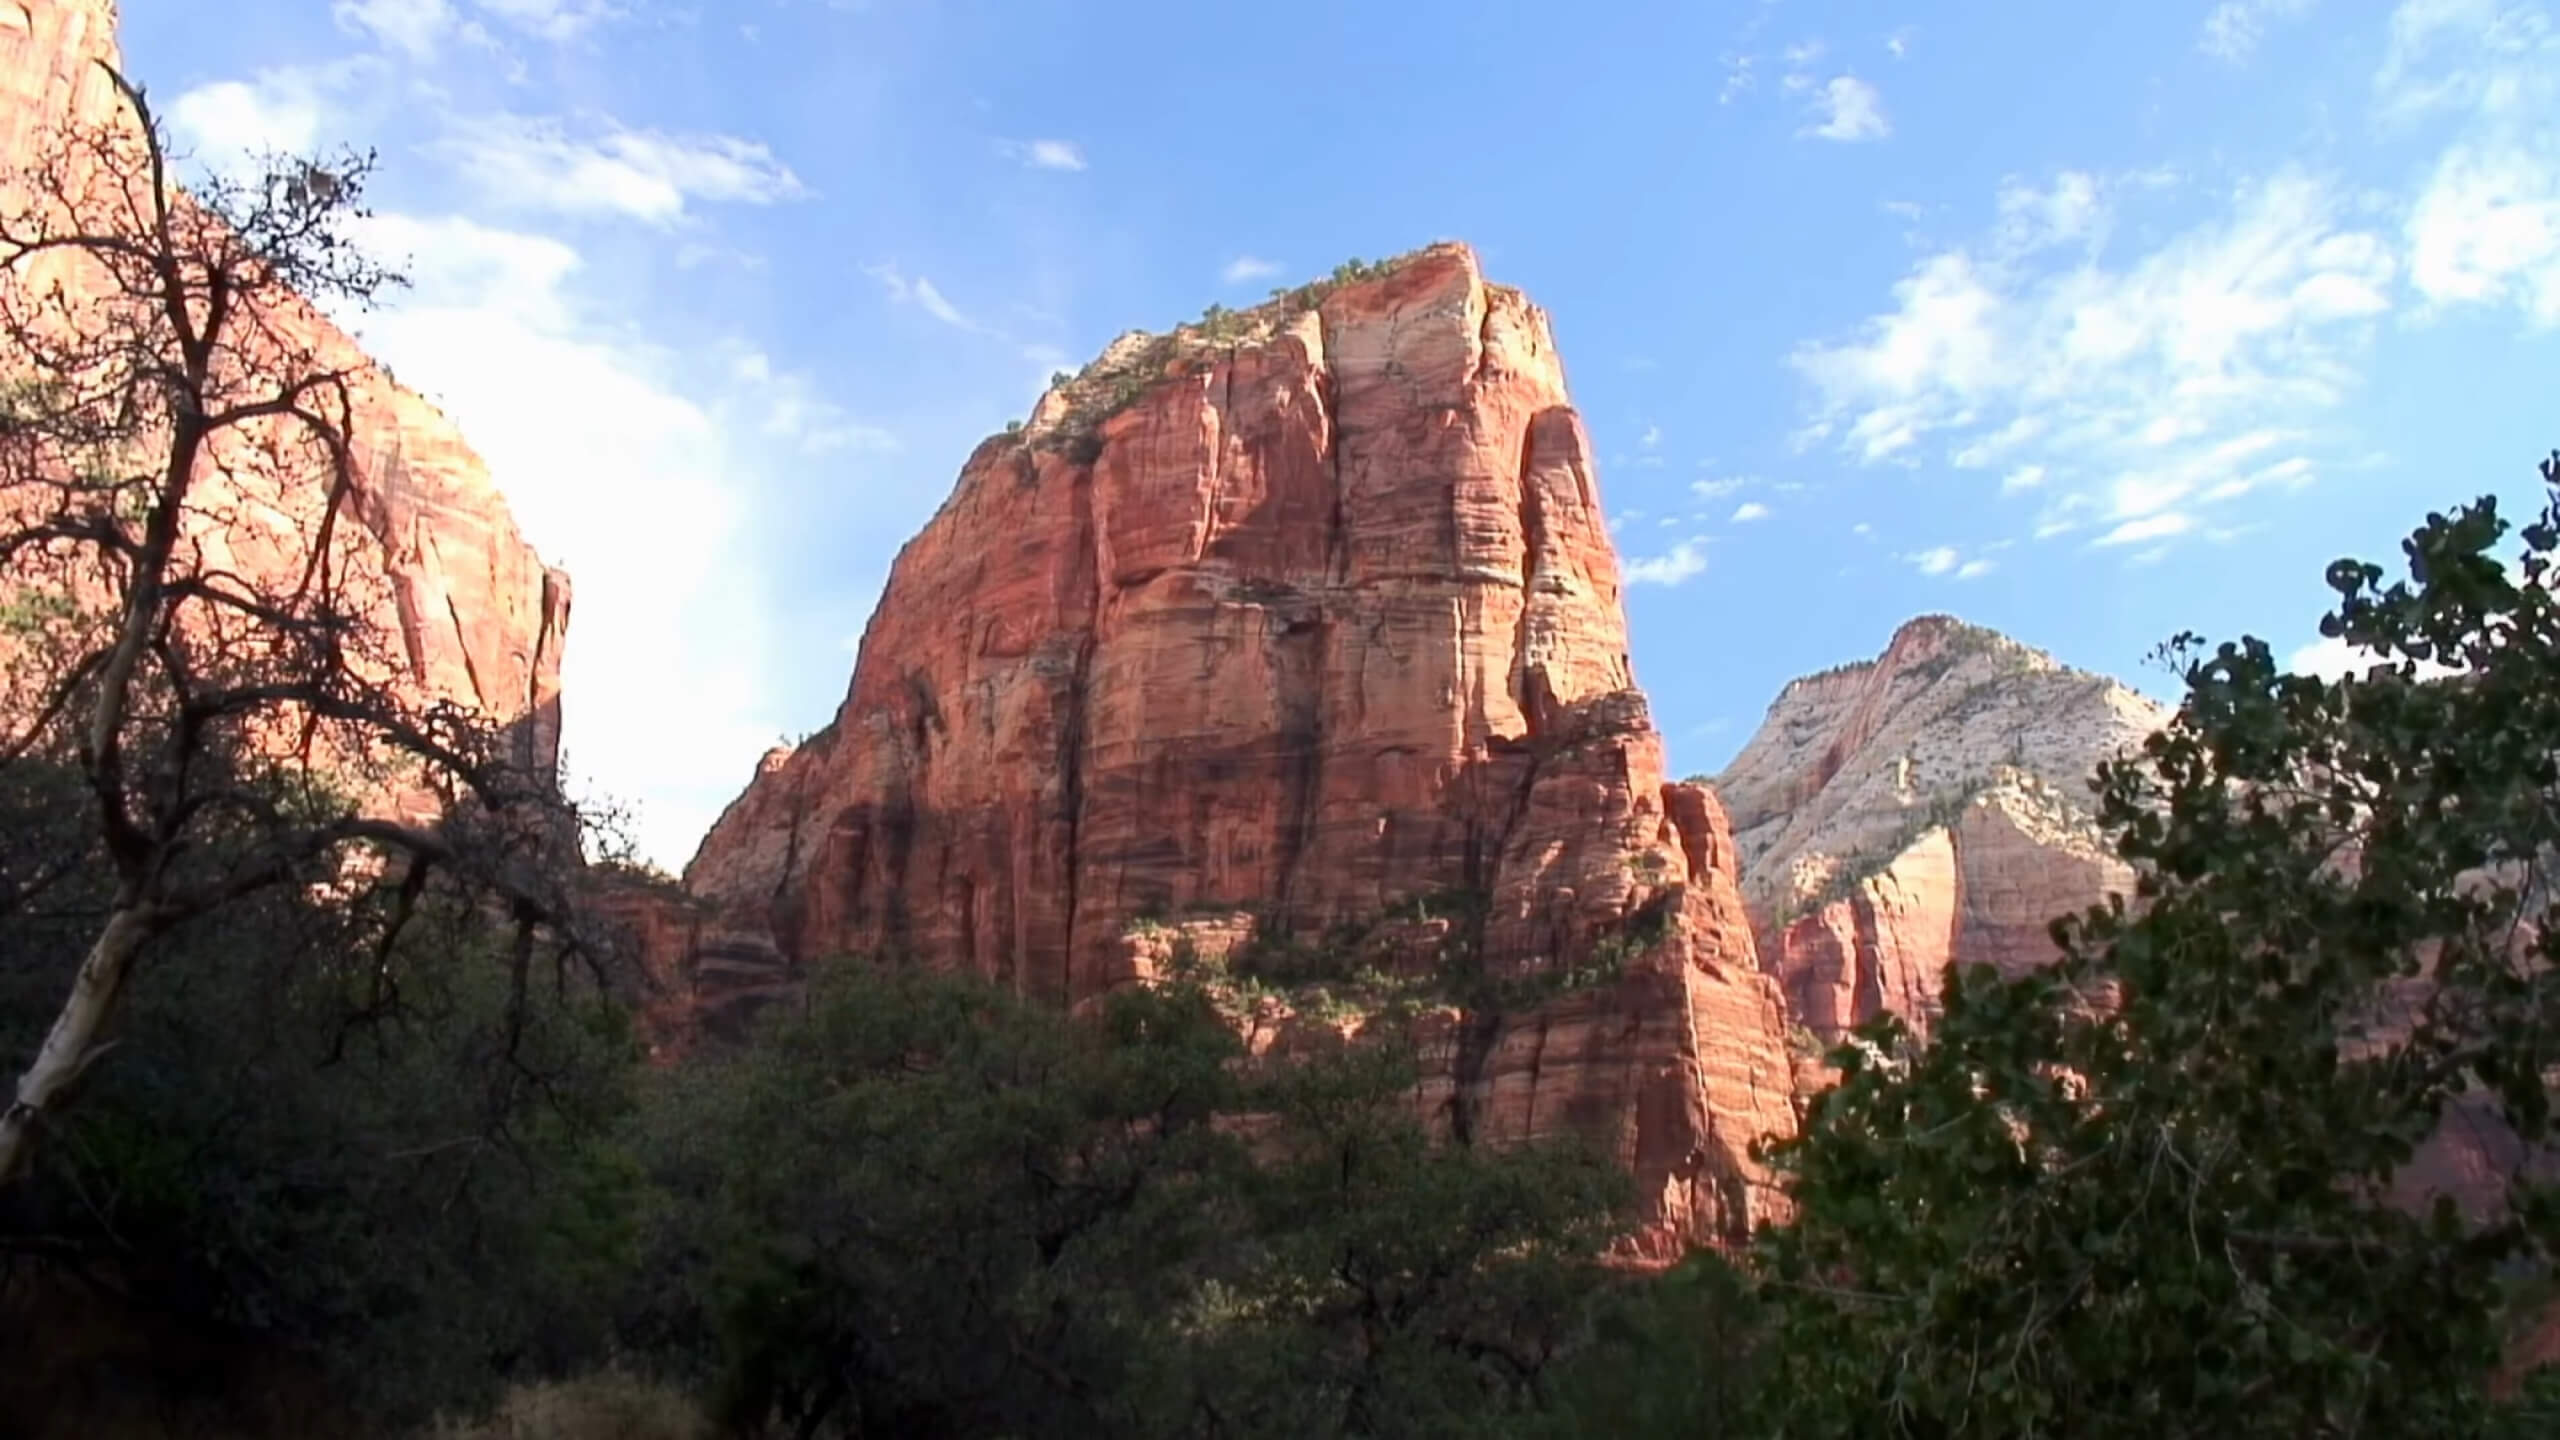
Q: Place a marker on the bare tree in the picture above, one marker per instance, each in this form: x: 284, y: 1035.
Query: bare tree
x: 188, y: 607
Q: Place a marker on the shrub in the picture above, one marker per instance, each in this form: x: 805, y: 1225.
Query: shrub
x: 611, y: 1405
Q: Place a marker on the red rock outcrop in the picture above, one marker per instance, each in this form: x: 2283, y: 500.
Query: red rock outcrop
x: 466, y: 610
x: 1302, y: 617
x: 1925, y: 807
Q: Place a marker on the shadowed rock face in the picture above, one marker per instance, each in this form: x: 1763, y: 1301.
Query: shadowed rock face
x: 1930, y: 805
x: 466, y: 610
x: 1325, y: 621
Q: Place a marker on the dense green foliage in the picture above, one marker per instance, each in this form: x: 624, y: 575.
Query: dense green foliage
x: 353, y: 1146
x: 935, y: 1209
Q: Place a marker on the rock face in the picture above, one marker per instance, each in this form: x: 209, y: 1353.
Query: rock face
x: 1292, y: 622
x: 1926, y: 806
x: 466, y: 610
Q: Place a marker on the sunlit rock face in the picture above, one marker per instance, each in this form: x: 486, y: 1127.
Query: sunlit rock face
x: 1929, y: 805
x: 463, y: 609
x: 1319, y: 621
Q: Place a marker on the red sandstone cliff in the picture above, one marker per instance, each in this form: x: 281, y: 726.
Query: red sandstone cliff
x: 1927, y: 806
x: 1279, y: 626
x: 470, y: 612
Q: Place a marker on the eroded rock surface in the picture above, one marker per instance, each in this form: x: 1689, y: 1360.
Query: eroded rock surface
x: 1927, y: 806
x: 1306, y: 620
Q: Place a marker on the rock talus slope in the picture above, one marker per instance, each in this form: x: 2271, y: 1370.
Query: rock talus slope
x: 468, y: 612
x: 1929, y: 805
x: 1294, y: 620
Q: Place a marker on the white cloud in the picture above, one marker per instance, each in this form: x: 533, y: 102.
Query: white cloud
x: 1652, y: 437
x: 2151, y: 374
x: 797, y: 414
x: 1945, y: 561
x: 1682, y: 562
x: 635, y: 467
x: 1748, y: 511
x: 2332, y: 658
x: 2031, y: 219
x: 2025, y: 477
x: 2233, y: 29
x: 1043, y: 154
x: 2486, y: 229
x: 2158, y: 526
x: 534, y: 164
x: 416, y: 28
x: 1738, y: 78
x: 1718, y: 486
x: 292, y: 109
x: 233, y: 116
x: 921, y: 292
x: 2486, y: 54
x: 552, y: 19
x: 1249, y: 267
x: 1849, y: 109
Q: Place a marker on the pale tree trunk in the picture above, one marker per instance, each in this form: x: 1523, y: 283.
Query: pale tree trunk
x: 73, y: 1041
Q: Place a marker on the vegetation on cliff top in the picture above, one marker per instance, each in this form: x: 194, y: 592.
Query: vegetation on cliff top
x: 1129, y: 366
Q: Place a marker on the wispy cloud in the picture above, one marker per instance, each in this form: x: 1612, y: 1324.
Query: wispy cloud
x: 552, y: 19
x: 1943, y: 561
x: 2158, y: 526
x: 535, y: 164
x: 1848, y: 109
x: 1682, y: 562
x: 1249, y: 267
x: 1043, y: 154
x: 921, y: 292
x: 280, y: 111
x: 2233, y: 28
x: 1748, y: 511
x: 797, y: 414
x: 2165, y: 376
x: 416, y: 28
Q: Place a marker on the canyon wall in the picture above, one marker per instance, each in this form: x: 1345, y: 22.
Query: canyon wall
x: 1284, y: 626
x: 464, y: 609
x: 1929, y: 805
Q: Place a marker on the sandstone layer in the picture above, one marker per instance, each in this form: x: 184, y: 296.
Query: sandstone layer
x: 1930, y: 805
x: 1281, y: 625
x: 464, y: 610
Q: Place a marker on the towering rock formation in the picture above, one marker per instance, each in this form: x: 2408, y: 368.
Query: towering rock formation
x: 1282, y: 626
x: 471, y: 613
x: 1929, y: 805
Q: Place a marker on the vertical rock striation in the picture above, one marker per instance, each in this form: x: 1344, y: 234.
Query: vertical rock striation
x: 1300, y: 617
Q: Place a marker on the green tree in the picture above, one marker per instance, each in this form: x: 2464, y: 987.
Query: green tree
x: 336, y: 1140
x: 925, y: 1206
x: 2148, y: 1191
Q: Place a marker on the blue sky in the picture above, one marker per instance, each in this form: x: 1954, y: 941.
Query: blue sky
x: 2087, y: 321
